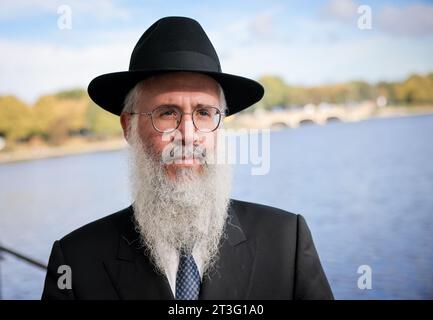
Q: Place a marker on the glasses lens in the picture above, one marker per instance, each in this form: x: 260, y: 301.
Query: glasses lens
x: 165, y: 118
x: 206, y: 119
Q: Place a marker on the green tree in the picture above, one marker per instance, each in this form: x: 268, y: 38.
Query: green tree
x: 101, y: 122
x: 56, y: 118
x: 15, y: 122
x: 276, y: 93
x: 73, y: 94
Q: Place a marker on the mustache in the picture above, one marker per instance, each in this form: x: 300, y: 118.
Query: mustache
x: 178, y: 152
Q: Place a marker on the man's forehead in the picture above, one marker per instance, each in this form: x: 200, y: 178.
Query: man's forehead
x: 178, y: 99
x: 174, y: 96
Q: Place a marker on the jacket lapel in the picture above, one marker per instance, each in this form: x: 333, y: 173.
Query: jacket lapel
x: 134, y: 277
x: 131, y: 272
x: 234, y: 269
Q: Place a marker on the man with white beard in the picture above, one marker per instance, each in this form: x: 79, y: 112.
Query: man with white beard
x: 180, y: 199
x: 182, y: 237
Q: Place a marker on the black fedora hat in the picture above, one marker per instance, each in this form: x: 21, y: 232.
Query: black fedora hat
x: 173, y: 44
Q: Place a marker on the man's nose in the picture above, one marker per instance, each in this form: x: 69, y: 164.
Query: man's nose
x: 187, y: 129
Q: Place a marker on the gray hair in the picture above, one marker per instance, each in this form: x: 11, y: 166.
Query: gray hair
x: 133, y: 97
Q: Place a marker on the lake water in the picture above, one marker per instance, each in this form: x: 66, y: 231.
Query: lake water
x: 365, y: 189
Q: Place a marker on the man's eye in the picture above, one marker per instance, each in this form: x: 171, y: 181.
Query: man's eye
x: 168, y: 113
x: 203, y: 113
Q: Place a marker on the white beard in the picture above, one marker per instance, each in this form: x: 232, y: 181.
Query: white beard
x: 180, y: 213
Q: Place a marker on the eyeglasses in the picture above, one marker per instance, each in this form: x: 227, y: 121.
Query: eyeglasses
x: 167, y: 118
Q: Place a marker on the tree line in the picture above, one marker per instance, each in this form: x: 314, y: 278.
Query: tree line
x: 415, y: 90
x: 55, y: 118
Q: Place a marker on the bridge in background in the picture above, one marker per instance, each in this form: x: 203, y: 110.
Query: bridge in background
x: 309, y: 114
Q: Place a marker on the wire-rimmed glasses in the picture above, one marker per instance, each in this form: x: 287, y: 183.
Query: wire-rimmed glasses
x: 167, y: 118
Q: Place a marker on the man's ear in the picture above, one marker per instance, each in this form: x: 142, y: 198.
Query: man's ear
x: 125, y: 121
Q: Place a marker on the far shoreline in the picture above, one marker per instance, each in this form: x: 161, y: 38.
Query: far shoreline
x: 25, y: 154
x: 46, y: 152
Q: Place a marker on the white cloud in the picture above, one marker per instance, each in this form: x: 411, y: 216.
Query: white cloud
x: 32, y: 69
x: 404, y: 20
x: 11, y: 9
x: 415, y: 19
x: 103, y: 10
x: 342, y: 10
x: 262, y: 25
x: 245, y: 31
x: 309, y: 63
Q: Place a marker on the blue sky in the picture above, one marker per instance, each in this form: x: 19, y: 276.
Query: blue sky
x: 305, y: 42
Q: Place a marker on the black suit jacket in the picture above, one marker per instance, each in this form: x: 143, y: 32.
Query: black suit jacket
x: 268, y: 254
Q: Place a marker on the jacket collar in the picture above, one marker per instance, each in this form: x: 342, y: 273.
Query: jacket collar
x: 135, y: 277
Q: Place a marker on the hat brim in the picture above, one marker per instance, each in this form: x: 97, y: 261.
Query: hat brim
x: 109, y: 90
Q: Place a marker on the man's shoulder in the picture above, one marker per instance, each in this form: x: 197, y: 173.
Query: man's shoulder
x: 244, y: 207
x: 99, y: 233
x: 262, y: 216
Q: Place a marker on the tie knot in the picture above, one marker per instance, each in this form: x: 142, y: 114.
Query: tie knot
x: 185, y: 251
